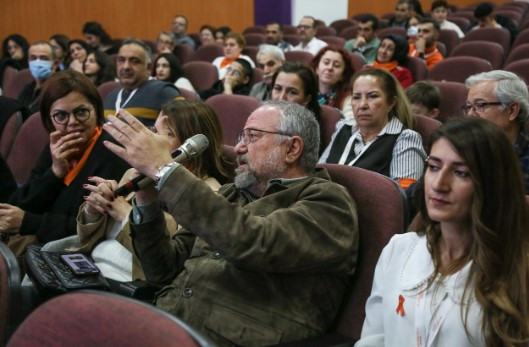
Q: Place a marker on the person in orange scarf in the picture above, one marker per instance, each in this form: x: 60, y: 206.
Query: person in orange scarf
x: 45, y: 207
x: 233, y: 45
x: 392, y: 55
x: 425, y: 47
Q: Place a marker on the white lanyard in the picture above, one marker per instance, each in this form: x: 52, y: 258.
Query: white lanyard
x: 118, y: 99
x: 349, y: 147
x: 436, y: 321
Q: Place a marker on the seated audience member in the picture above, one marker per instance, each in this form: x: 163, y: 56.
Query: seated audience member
x: 412, y: 28
x: 452, y: 269
x: 99, y: 68
x: 425, y: 47
x: 297, y: 83
x: 102, y: 223
x: 8, y: 181
x: 402, y: 12
x: 236, y: 81
x: 98, y: 39
x: 334, y: 71
x: 167, y: 68
x: 207, y: 35
x: 262, y: 245
x: 60, y: 43
x: 220, y: 34
x: 78, y: 52
x: 44, y: 209
x: 233, y: 45
x: 392, y: 56
x: 501, y: 97
x: 269, y: 59
x: 366, y: 42
x: 425, y: 99
x: 380, y: 139
x: 141, y: 96
x: 307, y: 33
x: 179, y: 28
x: 415, y: 8
x: 42, y: 64
x: 484, y: 14
x: 165, y: 42
x: 14, y: 54
x: 440, y: 10
x: 274, y: 36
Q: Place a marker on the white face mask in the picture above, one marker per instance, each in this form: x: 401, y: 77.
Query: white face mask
x: 413, y: 30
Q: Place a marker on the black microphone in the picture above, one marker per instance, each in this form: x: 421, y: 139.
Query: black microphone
x: 191, y: 148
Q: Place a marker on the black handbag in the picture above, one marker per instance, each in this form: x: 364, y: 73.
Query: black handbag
x: 52, y: 277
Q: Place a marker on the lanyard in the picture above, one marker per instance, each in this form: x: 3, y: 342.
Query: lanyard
x: 349, y: 147
x: 118, y: 99
x: 436, y: 321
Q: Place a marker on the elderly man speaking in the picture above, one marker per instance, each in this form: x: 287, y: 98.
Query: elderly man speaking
x: 264, y: 261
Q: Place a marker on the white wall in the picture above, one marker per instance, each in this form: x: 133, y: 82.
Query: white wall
x: 326, y: 10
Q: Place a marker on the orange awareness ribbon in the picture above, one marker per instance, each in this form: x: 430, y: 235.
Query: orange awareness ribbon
x: 400, y: 308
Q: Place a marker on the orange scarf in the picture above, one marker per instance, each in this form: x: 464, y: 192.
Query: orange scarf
x: 226, y: 61
x: 389, y: 66
x: 79, y: 165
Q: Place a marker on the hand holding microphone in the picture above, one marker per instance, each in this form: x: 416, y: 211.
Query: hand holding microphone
x: 191, y: 148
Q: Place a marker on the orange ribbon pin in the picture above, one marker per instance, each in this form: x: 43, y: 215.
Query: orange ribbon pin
x: 400, y: 307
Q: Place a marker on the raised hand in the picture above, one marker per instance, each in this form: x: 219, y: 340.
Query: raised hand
x: 102, y: 199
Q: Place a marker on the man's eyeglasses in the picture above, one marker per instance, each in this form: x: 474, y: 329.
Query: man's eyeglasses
x: 81, y: 113
x: 306, y: 27
x: 479, y: 107
x: 247, y: 137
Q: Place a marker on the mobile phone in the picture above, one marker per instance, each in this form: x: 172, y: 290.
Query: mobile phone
x: 79, y: 264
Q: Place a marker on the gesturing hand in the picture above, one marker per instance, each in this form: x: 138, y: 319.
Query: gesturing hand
x: 102, y: 199
x: 62, y: 149
x: 141, y: 148
x: 10, y: 218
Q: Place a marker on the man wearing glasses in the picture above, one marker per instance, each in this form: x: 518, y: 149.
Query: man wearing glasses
x: 502, y: 98
x: 309, y: 42
x: 264, y: 261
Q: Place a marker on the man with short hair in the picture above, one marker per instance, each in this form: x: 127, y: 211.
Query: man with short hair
x: 484, y: 14
x: 439, y: 12
x: 269, y: 59
x: 426, y: 45
x: 502, y: 98
x: 274, y: 36
x: 366, y: 42
x: 307, y: 33
x: 42, y: 64
x: 179, y: 28
x: 425, y: 99
x: 141, y: 96
x: 165, y: 42
x: 402, y: 13
x: 264, y: 261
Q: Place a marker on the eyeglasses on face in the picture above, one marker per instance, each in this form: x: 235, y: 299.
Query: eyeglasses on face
x: 479, y: 106
x: 306, y: 27
x: 81, y: 113
x: 247, y: 136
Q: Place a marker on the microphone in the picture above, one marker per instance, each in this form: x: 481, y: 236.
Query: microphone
x: 191, y: 148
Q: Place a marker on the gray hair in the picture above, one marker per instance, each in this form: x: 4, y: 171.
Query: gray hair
x: 509, y: 89
x: 146, y: 48
x: 46, y: 43
x: 167, y: 33
x: 272, y: 50
x: 298, y: 120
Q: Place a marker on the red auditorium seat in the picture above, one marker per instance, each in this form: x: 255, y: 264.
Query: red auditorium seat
x: 490, y: 51
x: 10, y: 293
x: 201, y: 74
x: 254, y: 30
x: 208, y: 52
x: 457, y: 69
x: 453, y: 97
x: 341, y: 24
x: 325, y: 31
x: 254, y: 39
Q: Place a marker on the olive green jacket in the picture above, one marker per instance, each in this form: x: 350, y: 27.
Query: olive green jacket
x: 252, y: 272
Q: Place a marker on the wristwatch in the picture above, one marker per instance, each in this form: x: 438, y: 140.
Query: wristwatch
x: 161, y: 172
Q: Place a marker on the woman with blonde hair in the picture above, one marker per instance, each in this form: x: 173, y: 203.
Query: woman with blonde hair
x: 462, y: 278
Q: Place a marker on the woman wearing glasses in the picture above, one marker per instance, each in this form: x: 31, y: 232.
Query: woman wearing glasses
x: 102, y: 223
x: 44, y: 208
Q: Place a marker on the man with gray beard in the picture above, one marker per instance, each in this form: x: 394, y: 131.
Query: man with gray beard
x: 267, y: 259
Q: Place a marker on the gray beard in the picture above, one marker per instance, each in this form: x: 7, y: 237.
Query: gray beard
x: 272, y: 168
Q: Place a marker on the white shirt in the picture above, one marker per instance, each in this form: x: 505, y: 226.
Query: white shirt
x: 452, y: 26
x: 312, y: 47
x: 404, y: 268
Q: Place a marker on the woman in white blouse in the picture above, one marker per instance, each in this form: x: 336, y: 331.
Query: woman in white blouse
x: 462, y: 278
x: 380, y: 137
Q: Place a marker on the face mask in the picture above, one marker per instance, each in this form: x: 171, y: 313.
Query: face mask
x: 40, y: 69
x: 413, y: 30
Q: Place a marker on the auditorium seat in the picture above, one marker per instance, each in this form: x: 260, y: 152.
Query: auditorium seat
x: 299, y: 56
x: 514, y: 15
x: 349, y: 33
x: 183, y: 52
x: 341, y: 24
x: 8, y: 77
x: 257, y: 29
x: 92, y: 318
x: 232, y: 110
x: 457, y: 69
x: 490, y: 51
x: 450, y: 39
x: 9, y: 133
x: 453, y: 97
x: 519, y: 67
x: 498, y: 35
x: 441, y: 48
x: 521, y: 38
x: 106, y: 88
x: 251, y: 51
x: 29, y: 143
x: 391, y: 31
x: 10, y: 293
x: 325, y: 31
x: 13, y: 87
x: 201, y: 74
x: 465, y: 13
x: 336, y: 41
x: 257, y: 76
x: 254, y: 39
x: 208, y: 52
x: 426, y: 126
x: 289, y: 30
x: 357, y: 61
x: 293, y: 39
x: 517, y: 53
x: 188, y: 94
x: 463, y: 23
x: 329, y: 117
x: 418, y: 68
